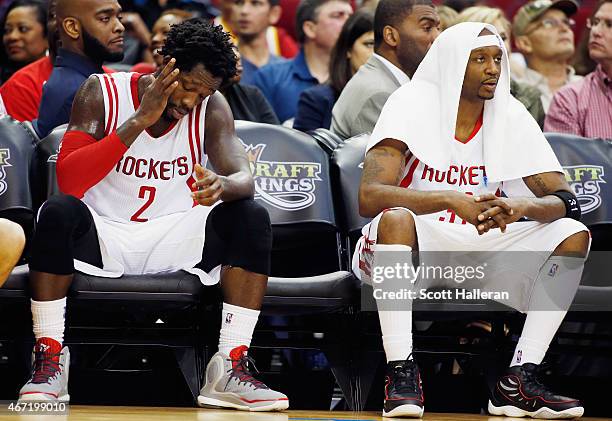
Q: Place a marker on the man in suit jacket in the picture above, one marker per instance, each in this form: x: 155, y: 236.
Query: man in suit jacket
x: 403, y: 32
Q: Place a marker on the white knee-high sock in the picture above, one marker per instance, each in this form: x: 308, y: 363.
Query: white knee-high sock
x: 48, y: 319
x: 395, y: 325
x: 237, y: 326
x: 543, y: 318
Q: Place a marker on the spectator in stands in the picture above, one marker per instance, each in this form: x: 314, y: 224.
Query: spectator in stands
x: 137, y: 40
x: 12, y: 241
x: 584, y: 108
x: 151, y: 10
x: 528, y: 95
x: 447, y: 15
x: 583, y: 64
x: 279, y: 41
x: 23, y: 91
x: 90, y: 32
x: 259, y: 41
x: 24, y: 36
x: 354, y: 47
x: 158, y: 37
x: 246, y: 101
x: 225, y: 18
x: 543, y: 31
x: 318, y: 23
x: 403, y: 32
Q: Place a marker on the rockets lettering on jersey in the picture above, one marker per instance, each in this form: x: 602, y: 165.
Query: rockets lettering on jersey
x: 456, y: 175
x: 151, y: 168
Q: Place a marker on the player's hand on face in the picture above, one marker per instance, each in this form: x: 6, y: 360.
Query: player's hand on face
x: 501, y: 212
x: 156, y: 95
x: 208, y: 187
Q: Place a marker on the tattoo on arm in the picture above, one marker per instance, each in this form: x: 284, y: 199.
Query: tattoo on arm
x: 546, y: 183
x: 372, y: 166
x: 383, y: 164
x: 542, y: 187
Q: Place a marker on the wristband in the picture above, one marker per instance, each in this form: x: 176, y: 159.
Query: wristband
x: 572, y: 207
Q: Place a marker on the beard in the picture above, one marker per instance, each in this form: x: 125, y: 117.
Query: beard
x: 410, y: 55
x: 98, y: 52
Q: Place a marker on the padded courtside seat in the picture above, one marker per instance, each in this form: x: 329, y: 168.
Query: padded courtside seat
x: 588, y: 167
x: 588, y: 164
x: 162, y: 287
x: 292, y: 182
x: 327, y: 139
x: 347, y: 166
x: 331, y: 290
x: 16, y: 145
x: 43, y: 164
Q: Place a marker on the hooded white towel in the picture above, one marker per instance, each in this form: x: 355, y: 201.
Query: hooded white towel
x: 423, y: 113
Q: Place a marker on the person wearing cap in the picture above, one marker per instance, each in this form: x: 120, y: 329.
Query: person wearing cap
x: 543, y: 34
x: 585, y: 108
x: 445, y: 148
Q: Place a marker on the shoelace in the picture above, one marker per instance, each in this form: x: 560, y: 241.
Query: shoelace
x: 45, y: 366
x: 405, y: 377
x: 240, y: 370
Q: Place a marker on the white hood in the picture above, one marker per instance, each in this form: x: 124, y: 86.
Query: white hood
x: 423, y: 113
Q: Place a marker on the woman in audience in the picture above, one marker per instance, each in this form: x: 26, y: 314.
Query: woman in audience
x: 354, y: 47
x: 583, y: 63
x: 158, y: 37
x: 246, y: 101
x: 24, y: 36
x: 528, y: 96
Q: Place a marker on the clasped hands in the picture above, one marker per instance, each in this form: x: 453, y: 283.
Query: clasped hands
x: 488, y: 211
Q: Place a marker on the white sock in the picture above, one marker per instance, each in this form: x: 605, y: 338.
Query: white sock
x: 48, y: 319
x: 237, y: 326
x: 396, y: 325
x: 542, y: 320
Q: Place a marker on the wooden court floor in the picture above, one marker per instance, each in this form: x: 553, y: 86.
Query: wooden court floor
x: 121, y: 413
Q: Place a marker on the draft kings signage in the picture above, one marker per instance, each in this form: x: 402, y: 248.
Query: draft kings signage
x: 585, y: 181
x: 285, y: 185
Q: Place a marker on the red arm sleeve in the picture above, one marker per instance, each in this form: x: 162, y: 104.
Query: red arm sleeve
x: 84, y: 161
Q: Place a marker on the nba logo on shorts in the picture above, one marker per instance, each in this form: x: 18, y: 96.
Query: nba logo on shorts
x: 553, y: 269
x: 519, y: 356
x: 228, y: 318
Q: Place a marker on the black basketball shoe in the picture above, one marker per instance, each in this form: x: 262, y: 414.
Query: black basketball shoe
x: 403, y: 391
x: 518, y: 393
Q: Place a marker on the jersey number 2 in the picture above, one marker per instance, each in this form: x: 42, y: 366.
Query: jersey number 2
x: 141, y: 195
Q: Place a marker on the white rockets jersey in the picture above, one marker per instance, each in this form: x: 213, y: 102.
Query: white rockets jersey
x: 154, y: 176
x: 466, y: 174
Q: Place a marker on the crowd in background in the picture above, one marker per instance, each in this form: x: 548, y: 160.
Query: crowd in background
x: 322, y: 63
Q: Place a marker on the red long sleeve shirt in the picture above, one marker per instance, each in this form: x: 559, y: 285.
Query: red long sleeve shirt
x: 84, y: 161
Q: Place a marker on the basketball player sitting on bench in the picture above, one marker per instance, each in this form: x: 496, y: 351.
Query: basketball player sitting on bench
x: 444, y: 145
x: 132, y: 206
